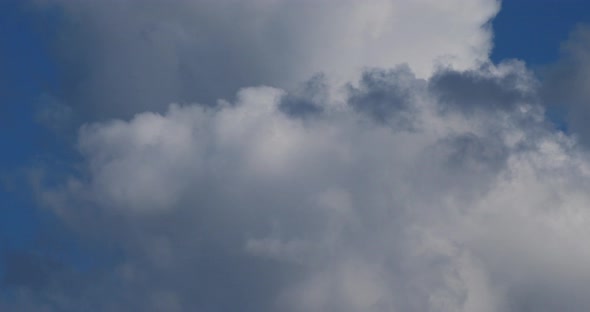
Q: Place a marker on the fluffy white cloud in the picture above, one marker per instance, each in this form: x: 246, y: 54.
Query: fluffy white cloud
x: 467, y: 210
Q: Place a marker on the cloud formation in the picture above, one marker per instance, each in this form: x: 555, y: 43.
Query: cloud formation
x: 565, y: 83
x: 119, y: 58
x: 339, y: 211
x: 351, y: 182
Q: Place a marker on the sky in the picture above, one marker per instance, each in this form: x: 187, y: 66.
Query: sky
x: 281, y: 155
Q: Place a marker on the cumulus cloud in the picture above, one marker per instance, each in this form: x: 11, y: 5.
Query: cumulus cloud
x: 245, y: 205
x: 123, y: 57
x: 385, y: 166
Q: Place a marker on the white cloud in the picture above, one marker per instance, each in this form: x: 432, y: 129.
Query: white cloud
x: 350, y: 213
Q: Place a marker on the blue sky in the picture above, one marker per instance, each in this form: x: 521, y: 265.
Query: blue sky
x: 533, y: 30
x: 27, y: 71
x: 31, y: 71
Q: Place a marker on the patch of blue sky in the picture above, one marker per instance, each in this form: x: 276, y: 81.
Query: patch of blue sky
x: 533, y: 31
x: 27, y: 71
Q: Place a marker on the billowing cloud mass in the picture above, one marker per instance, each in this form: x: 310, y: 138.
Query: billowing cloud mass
x: 406, y: 187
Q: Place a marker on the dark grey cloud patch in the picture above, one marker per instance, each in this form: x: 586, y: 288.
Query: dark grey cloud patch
x: 475, y: 153
x: 463, y: 166
x: 481, y: 90
x: 387, y: 96
x: 565, y: 89
x: 549, y: 296
x: 308, y: 99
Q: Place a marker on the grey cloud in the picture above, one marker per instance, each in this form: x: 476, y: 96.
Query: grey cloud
x: 548, y: 296
x: 387, y: 96
x: 307, y: 99
x: 471, y: 162
x: 470, y: 150
x: 480, y: 90
x: 565, y: 84
x: 279, y: 212
x: 119, y: 58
